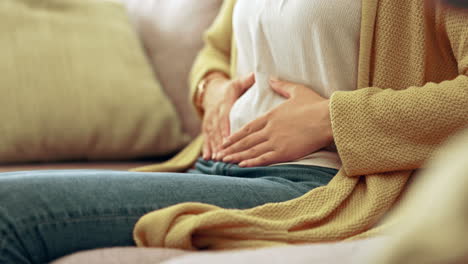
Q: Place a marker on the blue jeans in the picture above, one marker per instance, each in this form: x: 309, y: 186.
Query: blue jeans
x: 45, y: 215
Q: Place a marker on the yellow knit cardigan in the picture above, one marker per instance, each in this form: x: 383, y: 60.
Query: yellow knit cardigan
x: 412, y: 95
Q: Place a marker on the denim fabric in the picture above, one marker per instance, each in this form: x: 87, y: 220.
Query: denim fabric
x: 45, y: 215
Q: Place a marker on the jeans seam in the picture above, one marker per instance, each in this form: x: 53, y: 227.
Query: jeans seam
x: 36, y: 218
x: 6, y: 238
x: 84, y: 219
x: 3, y: 242
x: 8, y: 232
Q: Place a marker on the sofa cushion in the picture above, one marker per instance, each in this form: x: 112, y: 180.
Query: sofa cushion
x: 116, y: 165
x: 76, y: 85
x: 171, y: 32
x: 358, y: 252
x: 122, y: 255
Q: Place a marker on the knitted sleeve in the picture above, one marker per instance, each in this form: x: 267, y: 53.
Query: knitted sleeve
x: 216, y: 53
x: 381, y: 130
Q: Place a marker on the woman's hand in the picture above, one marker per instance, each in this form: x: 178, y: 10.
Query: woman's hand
x: 220, y: 96
x: 294, y: 129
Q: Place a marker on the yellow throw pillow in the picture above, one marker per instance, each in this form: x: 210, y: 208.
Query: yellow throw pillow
x: 75, y: 84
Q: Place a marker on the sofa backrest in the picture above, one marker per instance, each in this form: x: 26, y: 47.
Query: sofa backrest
x: 171, y: 32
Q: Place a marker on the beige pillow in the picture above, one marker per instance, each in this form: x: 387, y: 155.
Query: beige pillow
x: 171, y: 31
x: 75, y: 84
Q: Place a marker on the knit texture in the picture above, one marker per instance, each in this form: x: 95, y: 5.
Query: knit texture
x: 413, y: 95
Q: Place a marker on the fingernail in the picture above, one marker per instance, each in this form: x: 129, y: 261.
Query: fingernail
x: 274, y: 79
x: 213, y: 157
x: 242, y: 164
x: 227, y: 159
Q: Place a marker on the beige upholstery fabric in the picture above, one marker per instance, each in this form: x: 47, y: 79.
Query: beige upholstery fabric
x: 433, y: 219
x: 76, y: 85
x: 171, y: 32
x: 121, y: 255
x: 356, y: 252
x: 123, y: 166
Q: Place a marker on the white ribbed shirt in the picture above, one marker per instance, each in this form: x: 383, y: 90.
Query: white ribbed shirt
x: 312, y: 42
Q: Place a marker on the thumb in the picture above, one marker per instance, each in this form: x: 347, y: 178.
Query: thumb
x: 246, y: 82
x: 285, y: 89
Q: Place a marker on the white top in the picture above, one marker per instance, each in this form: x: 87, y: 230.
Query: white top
x: 312, y: 42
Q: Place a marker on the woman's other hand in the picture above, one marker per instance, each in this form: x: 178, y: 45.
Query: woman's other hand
x: 220, y: 96
x: 292, y: 130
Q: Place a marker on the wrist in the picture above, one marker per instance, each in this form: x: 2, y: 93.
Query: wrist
x: 328, y: 129
x: 204, y: 85
x: 213, y: 91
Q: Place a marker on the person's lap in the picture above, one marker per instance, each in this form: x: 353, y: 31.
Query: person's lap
x: 47, y: 214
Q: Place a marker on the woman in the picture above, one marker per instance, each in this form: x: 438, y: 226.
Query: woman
x: 412, y: 94
x: 410, y: 61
